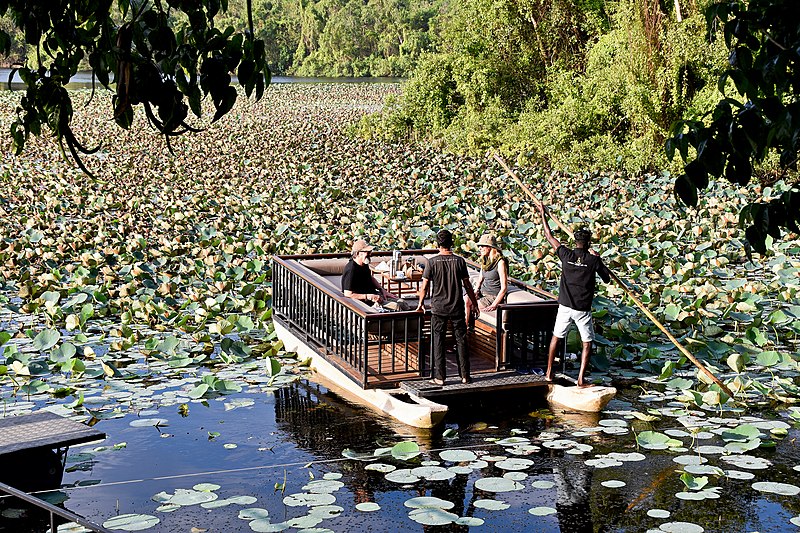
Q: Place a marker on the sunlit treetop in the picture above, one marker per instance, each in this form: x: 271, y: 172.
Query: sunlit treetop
x: 164, y: 56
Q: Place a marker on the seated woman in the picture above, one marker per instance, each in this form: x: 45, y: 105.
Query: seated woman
x: 492, y: 286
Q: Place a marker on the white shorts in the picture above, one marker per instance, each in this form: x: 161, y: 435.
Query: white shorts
x: 582, y: 319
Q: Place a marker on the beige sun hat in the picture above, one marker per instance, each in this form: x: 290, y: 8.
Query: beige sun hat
x: 487, y: 239
x: 361, y: 246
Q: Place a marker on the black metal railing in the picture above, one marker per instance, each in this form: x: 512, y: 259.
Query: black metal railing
x: 524, y: 338
x: 370, y: 347
x: 53, y: 510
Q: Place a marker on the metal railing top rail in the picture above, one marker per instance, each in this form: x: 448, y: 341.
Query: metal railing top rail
x: 310, y: 277
x: 519, y: 283
x: 53, y: 510
x: 339, y: 255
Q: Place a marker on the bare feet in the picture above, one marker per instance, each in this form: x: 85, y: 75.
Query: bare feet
x: 466, y: 380
x: 437, y: 381
x: 585, y: 385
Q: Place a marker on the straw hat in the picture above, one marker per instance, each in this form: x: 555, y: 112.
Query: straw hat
x: 487, y: 239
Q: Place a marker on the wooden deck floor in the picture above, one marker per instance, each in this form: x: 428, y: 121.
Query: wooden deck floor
x: 494, y: 381
x: 43, y: 430
x: 387, y: 361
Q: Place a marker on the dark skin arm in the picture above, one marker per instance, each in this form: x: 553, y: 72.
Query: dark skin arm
x: 547, y: 233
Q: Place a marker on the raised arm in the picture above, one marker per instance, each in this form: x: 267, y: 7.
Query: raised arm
x: 547, y: 233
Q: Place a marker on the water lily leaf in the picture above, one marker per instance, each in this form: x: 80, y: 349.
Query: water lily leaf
x: 736, y: 362
x: 741, y: 433
x: 457, y: 456
x: 768, y: 358
x: 783, y: 489
x: 681, y: 527
x: 253, y: 513
x: 367, y: 507
x: 693, y: 483
x: 491, y: 505
x: 428, y: 502
x: 405, y: 450
x: 432, y: 517
x: 46, y: 339
x: 542, y: 511
x: 308, y: 499
x: 131, y: 522
x: 497, y: 484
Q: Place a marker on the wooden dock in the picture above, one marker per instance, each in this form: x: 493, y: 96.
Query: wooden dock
x: 43, y: 430
x: 481, y: 383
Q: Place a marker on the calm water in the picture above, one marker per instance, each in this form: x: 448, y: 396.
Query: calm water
x: 83, y: 80
x: 301, y: 430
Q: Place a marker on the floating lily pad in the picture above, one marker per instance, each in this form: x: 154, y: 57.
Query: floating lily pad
x: 323, y: 486
x: 491, y: 505
x: 783, y: 489
x: 681, y: 527
x: 263, y: 525
x: 432, y: 517
x: 613, y: 484
x: 457, y: 456
x: 658, y: 513
x: 308, y: 499
x: 381, y: 467
x: 147, y: 422
x: 367, y: 507
x: 254, y: 513
x: 402, y: 475
x: 514, y: 463
x: 516, y: 476
x: 543, y: 484
x: 428, y: 502
x: 326, y: 511
x: 542, y: 511
x: 131, y: 522
x: 469, y: 521
x: 497, y: 484
x: 433, y: 473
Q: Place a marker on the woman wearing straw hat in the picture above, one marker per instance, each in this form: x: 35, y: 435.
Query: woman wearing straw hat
x: 492, y: 283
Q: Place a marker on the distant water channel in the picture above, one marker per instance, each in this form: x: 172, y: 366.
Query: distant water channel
x: 83, y: 80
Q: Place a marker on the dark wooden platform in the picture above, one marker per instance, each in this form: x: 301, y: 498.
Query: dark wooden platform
x: 495, y: 381
x: 43, y: 430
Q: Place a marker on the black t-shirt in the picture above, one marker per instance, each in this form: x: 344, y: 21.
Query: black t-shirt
x: 446, y: 273
x: 578, y: 268
x: 358, y: 279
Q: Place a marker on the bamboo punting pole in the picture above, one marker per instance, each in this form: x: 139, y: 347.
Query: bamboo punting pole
x: 633, y: 296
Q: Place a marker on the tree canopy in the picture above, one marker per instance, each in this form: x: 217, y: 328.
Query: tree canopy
x: 763, y: 37
x: 164, y: 56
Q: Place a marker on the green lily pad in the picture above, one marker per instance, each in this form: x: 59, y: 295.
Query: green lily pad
x: 131, y: 522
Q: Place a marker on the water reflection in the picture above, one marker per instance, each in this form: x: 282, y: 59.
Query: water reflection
x: 83, y: 80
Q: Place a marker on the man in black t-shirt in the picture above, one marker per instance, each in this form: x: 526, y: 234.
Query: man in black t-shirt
x: 575, y: 292
x: 359, y: 283
x: 446, y: 274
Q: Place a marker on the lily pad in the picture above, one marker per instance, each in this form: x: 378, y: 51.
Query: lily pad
x: 131, y: 522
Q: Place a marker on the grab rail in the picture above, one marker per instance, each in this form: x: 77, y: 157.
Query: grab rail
x: 53, y: 510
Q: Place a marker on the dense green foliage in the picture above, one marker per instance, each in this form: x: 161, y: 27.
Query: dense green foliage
x: 764, y: 39
x: 320, y: 37
x: 586, y: 85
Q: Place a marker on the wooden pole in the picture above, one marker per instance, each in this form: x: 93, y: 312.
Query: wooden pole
x: 625, y: 288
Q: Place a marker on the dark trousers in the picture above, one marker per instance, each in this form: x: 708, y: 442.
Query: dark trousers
x: 438, y: 331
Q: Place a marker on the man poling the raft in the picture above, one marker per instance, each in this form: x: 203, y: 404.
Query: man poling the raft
x: 575, y: 293
x: 627, y: 291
